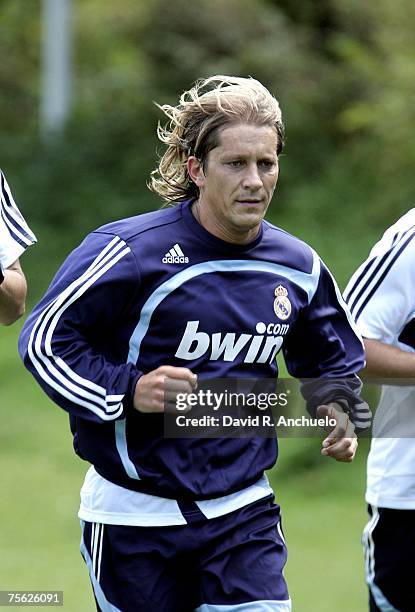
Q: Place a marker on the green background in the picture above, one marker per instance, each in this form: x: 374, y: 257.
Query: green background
x: 344, y: 73
x: 322, y: 504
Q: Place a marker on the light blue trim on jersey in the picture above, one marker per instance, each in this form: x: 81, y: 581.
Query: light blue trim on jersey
x: 307, y: 282
x: 121, y: 443
x: 265, y: 605
x: 344, y: 307
x: 104, y: 604
x: 382, y: 603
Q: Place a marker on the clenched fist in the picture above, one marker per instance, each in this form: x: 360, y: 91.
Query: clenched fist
x: 157, y: 390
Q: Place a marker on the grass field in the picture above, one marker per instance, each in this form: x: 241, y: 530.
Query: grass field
x: 322, y: 505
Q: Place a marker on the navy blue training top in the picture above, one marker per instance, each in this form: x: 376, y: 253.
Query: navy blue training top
x: 158, y: 289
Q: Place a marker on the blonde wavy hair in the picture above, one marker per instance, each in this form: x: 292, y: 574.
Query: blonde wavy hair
x: 194, y: 125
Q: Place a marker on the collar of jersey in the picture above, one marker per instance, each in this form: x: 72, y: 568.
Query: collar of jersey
x: 209, y: 238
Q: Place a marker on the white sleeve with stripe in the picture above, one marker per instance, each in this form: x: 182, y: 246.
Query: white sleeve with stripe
x: 381, y: 293
x: 15, y: 234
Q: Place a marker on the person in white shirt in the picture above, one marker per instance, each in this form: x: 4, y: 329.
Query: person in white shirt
x: 381, y: 297
x: 15, y: 237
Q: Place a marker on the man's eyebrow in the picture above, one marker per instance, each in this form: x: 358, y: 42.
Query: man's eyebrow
x: 240, y: 155
x: 232, y: 154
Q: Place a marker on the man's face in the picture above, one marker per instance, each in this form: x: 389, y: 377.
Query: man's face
x: 237, y: 181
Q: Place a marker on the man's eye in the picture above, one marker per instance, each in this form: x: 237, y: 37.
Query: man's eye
x: 267, y: 164
x: 237, y: 163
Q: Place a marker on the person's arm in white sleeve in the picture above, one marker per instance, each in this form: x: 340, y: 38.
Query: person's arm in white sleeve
x: 383, y: 303
x: 15, y: 237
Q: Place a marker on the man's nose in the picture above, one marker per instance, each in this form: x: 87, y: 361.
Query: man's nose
x: 252, y: 178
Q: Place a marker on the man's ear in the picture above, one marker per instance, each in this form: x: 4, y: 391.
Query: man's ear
x: 195, y: 170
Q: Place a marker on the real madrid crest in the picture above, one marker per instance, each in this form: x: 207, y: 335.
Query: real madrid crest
x: 282, y: 305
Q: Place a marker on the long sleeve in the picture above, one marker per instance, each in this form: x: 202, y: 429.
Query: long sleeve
x: 381, y: 293
x: 75, y: 342
x: 15, y: 234
x: 325, y: 350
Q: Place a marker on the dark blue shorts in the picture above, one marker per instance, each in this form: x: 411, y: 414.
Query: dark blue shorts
x: 389, y: 543
x: 230, y: 563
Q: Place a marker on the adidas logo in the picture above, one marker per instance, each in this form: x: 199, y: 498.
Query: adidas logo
x: 175, y: 255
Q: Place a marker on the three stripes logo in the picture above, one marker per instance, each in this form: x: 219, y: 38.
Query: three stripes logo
x: 175, y: 255
x: 13, y: 221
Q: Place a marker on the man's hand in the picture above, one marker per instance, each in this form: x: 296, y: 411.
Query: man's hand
x: 341, y: 443
x: 158, y: 389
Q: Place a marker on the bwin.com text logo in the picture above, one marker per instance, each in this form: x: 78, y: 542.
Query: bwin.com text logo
x: 261, y: 347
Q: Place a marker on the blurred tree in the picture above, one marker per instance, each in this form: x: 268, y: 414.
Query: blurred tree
x: 343, y: 72
x: 382, y: 61
x: 19, y: 50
